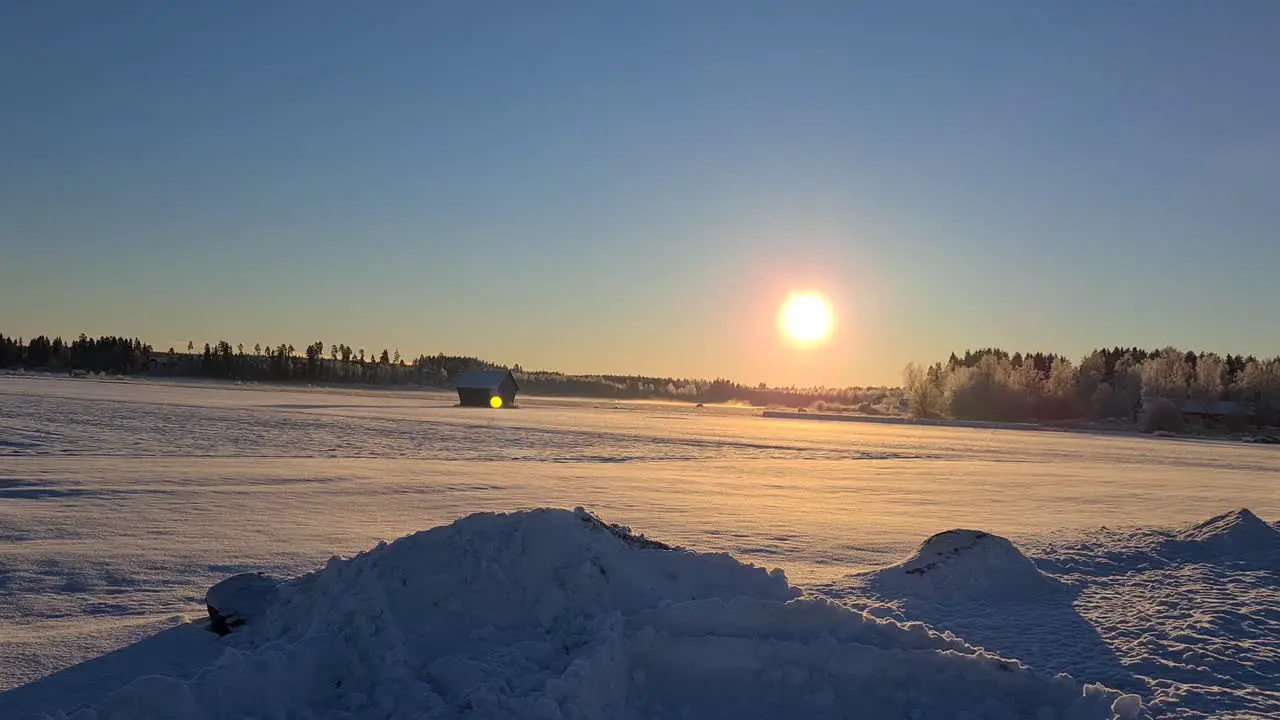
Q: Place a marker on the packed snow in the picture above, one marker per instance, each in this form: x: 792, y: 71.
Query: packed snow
x: 551, y: 614
x: 1187, y: 618
x: 966, y: 566
x: 123, y: 503
x: 1231, y: 535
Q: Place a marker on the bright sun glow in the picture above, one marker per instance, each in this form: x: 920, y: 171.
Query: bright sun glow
x: 805, y: 318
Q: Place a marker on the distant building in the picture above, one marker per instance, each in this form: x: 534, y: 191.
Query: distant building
x: 164, y: 360
x: 1209, y: 412
x: 477, y: 388
x: 1214, y: 408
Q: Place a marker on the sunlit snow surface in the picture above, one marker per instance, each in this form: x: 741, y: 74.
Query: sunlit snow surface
x: 122, y: 502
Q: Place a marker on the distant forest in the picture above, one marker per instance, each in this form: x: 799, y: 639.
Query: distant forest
x: 1158, y: 386
x: 342, y: 364
x: 989, y: 384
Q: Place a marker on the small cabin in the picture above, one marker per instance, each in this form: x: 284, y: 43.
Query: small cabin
x: 1207, y: 413
x: 478, y: 388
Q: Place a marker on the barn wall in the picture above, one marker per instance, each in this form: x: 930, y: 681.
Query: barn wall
x: 480, y: 397
x: 474, y: 397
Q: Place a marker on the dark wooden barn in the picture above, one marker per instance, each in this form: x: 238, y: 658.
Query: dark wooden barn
x: 478, y: 388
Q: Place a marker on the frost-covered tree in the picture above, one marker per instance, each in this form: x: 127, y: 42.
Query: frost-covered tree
x: 1121, y: 396
x: 1063, y: 378
x: 1024, y: 377
x: 1259, y: 384
x: 1166, y: 374
x: 986, y: 391
x: 1060, y: 399
x: 1209, y: 380
x: 1091, y: 374
x: 924, y: 396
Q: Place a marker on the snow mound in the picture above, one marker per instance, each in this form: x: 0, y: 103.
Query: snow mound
x: 964, y: 565
x: 549, y: 614
x: 1233, y: 533
x: 239, y: 599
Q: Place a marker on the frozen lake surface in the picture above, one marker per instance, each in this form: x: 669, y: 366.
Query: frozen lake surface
x: 122, y: 502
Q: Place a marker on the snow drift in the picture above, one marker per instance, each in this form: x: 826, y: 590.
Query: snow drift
x: 552, y: 614
x: 964, y: 565
x: 1187, y: 617
x: 1235, y: 533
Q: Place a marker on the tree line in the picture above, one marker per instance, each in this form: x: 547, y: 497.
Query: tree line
x: 343, y: 364
x: 115, y: 355
x: 984, y: 384
x: 1124, y: 383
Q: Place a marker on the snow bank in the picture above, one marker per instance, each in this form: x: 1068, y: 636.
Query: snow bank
x: 1235, y: 533
x: 552, y: 614
x: 1189, y: 618
x: 964, y: 565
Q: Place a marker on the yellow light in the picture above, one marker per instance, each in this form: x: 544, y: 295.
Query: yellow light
x: 805, y: 318
x: 495, y: 402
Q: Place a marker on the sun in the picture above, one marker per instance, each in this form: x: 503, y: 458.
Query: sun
x: 805, y: 318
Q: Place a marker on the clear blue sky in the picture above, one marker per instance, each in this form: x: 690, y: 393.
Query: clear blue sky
x: 633, y: 187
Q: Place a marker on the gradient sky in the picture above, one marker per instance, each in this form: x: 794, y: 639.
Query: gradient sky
x: 633, y: 187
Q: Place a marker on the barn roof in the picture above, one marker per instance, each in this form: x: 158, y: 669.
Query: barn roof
x: 1196, y: 406
x: 485, y: 379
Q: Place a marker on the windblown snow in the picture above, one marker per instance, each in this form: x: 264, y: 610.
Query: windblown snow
x: 1188, y: 619
x: 552, y: 614
x: 125, y: 507
x: 1233, y: 534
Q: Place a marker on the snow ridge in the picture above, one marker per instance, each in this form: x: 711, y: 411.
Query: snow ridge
x: 1232, y: 532
x: 553, y: 614
x: 622, y: 532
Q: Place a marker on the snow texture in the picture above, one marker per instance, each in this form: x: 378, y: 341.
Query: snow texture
x: 553, y: 614
x: 1237, y: 533
x: 1188, y: 619
x: 123, y: 502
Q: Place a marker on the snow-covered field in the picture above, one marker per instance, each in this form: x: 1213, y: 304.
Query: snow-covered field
x: 121, y: 503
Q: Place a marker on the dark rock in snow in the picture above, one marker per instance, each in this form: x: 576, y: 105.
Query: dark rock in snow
x: 622, y: 532
x: 239, y: 599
